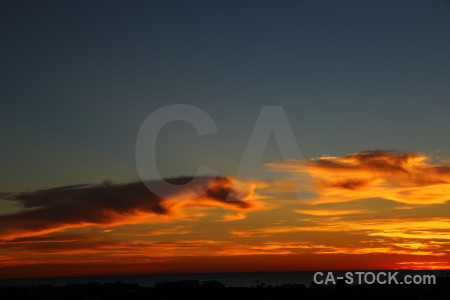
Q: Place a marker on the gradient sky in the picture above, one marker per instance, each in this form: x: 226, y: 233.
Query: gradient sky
x: 79, y: 78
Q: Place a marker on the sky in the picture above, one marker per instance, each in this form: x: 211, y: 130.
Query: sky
x: 363, y: 84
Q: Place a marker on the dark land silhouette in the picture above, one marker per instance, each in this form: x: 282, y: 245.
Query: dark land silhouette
x: 195, y: 289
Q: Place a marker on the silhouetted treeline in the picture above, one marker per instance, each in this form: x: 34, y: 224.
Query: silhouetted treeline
x: 214, y: 290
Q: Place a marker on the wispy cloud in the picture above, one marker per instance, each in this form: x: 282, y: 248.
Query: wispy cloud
x: 408, y: 178
x: 387, y: 226
x: 115, y: 204
x: 377, y: 209
x: 331, y: 212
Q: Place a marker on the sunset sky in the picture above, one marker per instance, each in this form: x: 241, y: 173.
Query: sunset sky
x: 365, y: 88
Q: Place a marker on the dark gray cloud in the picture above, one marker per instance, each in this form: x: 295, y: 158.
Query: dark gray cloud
x: 105, y: 204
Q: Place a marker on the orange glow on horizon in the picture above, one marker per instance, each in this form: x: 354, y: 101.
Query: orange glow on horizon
x: 372, y: 210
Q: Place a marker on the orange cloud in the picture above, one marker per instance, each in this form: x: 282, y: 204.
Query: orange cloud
x: 331, y: 212
x: 69, y: 230
x: 232, y: 217
x: 385, y: 226
x: 403, y: 177
x: 424, y: 265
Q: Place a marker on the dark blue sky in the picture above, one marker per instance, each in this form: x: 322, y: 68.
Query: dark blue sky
x: 79, y: 77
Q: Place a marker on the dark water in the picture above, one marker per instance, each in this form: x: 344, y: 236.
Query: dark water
x: 246, y: 279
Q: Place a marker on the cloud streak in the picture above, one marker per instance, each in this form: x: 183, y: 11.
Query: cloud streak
x: 377, y: 209
x: 408, y: 178
x: 106, y: 205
